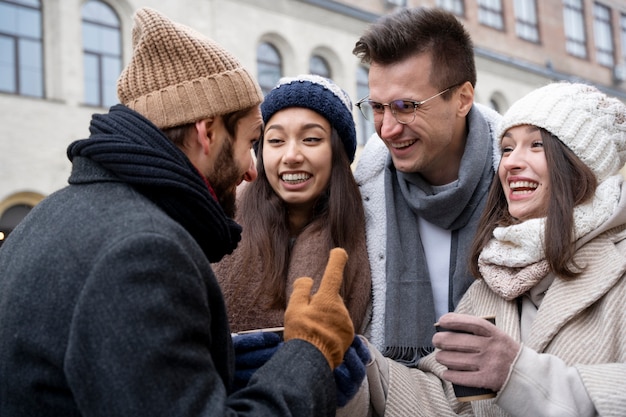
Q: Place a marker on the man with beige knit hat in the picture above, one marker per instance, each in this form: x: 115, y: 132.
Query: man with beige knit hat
x: 108, y: 304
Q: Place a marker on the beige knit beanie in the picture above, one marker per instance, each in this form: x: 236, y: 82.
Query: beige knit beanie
x: 589, y: 122
x: 177, y: 75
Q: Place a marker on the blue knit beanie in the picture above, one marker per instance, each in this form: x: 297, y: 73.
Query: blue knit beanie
x: 320, y: 95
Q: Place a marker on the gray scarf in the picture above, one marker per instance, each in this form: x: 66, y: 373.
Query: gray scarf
x: 410, y: 311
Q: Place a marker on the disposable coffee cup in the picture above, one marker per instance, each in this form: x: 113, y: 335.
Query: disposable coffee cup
x: 462, y: 392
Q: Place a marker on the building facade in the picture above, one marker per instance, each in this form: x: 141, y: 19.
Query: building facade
x: 59, y: 61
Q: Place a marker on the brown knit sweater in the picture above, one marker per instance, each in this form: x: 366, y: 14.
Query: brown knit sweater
x: 308, y: 258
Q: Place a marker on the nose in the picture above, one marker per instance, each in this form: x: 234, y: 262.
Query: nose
x: 388, y: 126
x: 251, y: 173
x: 513, y: 160
x: 292, y: 153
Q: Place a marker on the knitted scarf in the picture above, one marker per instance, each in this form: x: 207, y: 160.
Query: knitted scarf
x: 241, y: 279
x: 135, y: 150
x: 513, y: 261
x: 410, y: 311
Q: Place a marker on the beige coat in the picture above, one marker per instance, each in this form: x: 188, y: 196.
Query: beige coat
x: 582, y: 321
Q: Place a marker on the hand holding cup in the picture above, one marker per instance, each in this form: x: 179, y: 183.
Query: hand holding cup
x: 476, y: 353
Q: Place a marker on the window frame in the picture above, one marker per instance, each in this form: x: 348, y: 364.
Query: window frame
x: 526, y: 20
x: 18, y: 43
x: 575, y: 39
x: 263, y: 62
x: 491, y: 14
x: 102, y: 84
x: 456, y: 7
x: 318, y: 61
x: 603, y: 35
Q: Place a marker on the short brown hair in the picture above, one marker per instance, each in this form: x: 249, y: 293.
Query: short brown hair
x: 178, y: 134
x: 407, y: 32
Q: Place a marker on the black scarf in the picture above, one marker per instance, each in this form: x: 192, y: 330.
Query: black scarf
x: 138, y: 153
x: 410, y: 311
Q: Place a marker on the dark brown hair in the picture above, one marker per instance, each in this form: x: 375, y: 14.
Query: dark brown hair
x: 572, y: 183
x: 414, y: 31
x: 265, y: 221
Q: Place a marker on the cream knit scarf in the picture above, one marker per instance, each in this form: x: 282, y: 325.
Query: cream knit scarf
x: 513, y: 261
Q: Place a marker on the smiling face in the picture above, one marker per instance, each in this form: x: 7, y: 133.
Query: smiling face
x: 297, y: 156
x: 433, y: 143
x: 523, y: 172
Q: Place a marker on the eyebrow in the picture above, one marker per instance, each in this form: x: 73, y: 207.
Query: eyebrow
x: 306, y: 126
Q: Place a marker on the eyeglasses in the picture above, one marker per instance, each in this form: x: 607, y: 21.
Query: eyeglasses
x: 403, y: 110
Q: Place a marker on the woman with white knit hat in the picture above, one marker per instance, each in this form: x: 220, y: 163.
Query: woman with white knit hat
x: 550, y: 262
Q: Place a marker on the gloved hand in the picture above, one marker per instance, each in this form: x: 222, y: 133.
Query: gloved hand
x: 321, y: 319
x: 252, y: 350
x: 351, y: 372
x: 480, y: 357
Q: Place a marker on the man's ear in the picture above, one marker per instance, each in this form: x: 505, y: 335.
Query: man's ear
x: 466, y: 98
x: 205, y: 134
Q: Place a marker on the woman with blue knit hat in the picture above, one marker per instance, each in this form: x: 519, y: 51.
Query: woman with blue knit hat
x: 304, y: 202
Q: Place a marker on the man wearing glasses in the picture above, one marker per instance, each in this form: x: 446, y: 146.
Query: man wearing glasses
x: 424, y: 194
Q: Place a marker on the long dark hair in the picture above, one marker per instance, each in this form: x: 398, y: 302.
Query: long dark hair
x: 264, y: 219
x: 572, y: 183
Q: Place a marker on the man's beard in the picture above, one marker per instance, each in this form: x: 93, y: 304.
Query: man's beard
x: 224, y: 179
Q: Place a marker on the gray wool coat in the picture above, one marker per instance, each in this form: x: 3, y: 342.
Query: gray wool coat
x: 108, y: 307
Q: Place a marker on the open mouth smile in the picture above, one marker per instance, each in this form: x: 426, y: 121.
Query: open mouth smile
x: 295, y: 178
x: 404, y: 144
x: 523, y: 187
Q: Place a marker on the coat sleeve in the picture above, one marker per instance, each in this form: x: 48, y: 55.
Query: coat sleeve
x: 605, y: 385
x: 542, y: 384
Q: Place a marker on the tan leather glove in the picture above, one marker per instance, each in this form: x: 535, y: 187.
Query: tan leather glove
x: 321, y: 319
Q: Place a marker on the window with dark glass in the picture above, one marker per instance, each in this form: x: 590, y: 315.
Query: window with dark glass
x: 319, y: 66
x: 21, y: 50
x: 603, y: 35
x: 490, y: 13
x: 526, y: 20
x: 102, y: 53
x: 10, y: 219
x: 455, y: 6
x: 574, y: 23
x: 269, y: 64
x: 366, y: 128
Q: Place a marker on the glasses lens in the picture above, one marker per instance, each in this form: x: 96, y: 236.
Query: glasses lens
x: 367, y: 110
x: 403, y: 110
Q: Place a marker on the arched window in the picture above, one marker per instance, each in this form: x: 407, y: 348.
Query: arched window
x: 366, y: 128
x: 21, y: 51
x: 102, y: 53
x: 13, y: 209
x: 269, y: 64
x: 10, y: 218
x: 319, y: 66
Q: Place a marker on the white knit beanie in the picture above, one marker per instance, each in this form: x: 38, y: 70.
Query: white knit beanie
x: 589, y: 122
